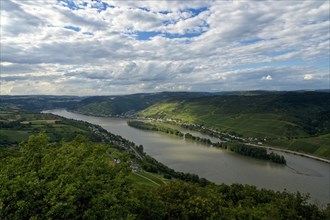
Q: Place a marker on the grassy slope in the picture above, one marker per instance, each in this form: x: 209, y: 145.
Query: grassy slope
x: 319, y: 146
x: 246, y: 124
x: 293, y: 115
x: 147, y: 179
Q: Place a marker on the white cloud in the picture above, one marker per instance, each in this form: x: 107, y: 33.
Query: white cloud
x: 308, y: 77
x: 172, y: 87
x: 268, y: 78
x: 237, y: 43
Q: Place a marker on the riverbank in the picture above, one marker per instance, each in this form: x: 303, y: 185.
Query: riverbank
x: 290, y: 152
x: 237, y: 147
x: 207, y: 131
x: 222, y: 166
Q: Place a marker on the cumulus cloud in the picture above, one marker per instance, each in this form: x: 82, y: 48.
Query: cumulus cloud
x: 115, y: 47
x: 308, y: 77
x: 268, y: 78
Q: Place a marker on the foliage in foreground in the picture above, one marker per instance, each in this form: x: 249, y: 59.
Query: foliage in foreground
x: 79, y: 180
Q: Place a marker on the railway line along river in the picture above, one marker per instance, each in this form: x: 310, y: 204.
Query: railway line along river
x: 301, y: 174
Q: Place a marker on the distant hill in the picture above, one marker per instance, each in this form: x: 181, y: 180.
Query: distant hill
x: 306, y: 113
x: 37, y: 103
x: 115, y: 104
x: 127, y: 104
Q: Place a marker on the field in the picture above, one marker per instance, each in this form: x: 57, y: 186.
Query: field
x: 147, y: 179
x: 18, y: 126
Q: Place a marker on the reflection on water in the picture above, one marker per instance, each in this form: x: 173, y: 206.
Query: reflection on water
x: 222, y: 166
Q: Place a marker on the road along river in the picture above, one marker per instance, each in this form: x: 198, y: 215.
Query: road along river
x: 222, y: 166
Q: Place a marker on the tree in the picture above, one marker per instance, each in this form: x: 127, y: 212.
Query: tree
x: 33, y: 151
x: 76, y: 180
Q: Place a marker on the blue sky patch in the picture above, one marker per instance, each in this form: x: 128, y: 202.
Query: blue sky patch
x: 167, y: 22
x: 187, y: 35
x: 250, y: 41
x: 71, y: 4
x: 146, y: 35
x: 164, y: 12
x: 144, y: 9
x: 323, y: 63
x: 76, y: 29
x: 101, y: 6
x: 277, y: 53
x: 98, y: 4
x: 197, y: 11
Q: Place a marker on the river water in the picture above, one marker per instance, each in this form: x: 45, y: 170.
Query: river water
x: 222, y: 166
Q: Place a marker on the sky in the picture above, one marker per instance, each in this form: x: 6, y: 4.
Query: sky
x: 103, y: 47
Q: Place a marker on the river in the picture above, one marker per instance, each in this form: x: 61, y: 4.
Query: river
x: 222, y: 166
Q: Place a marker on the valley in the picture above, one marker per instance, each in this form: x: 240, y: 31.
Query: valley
x: 159, y: 158
x: 219, y: 165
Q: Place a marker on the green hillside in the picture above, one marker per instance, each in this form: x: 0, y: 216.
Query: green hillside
x: 304, y: 117
x: 318, y: 146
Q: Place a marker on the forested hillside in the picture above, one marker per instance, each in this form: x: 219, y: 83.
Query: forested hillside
x: 127, y: 104
x: 299, y: 113
x: 96, y: 105
x: 280, y: 119
x: 81, y: 180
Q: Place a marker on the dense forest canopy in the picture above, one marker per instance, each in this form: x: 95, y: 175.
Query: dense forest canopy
x: 80, y: 180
